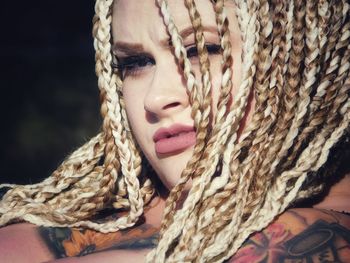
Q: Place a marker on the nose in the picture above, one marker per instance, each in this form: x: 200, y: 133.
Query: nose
x: 166, y: 94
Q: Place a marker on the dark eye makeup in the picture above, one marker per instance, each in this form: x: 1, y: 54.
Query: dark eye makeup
x: 213, y: 49
x: 134, y: 64
x: 131, y: 65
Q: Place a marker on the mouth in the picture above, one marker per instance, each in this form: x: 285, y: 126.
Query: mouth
x: 176, y: 138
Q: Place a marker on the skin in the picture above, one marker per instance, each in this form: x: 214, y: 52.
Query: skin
x: 287, y: 239
x: 155, y: 97
x: 155, y: 94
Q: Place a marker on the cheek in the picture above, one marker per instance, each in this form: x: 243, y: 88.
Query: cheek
x: 217, y: 79
x: 216, y: 89
x: 236, y: 81
x: 133, y: 99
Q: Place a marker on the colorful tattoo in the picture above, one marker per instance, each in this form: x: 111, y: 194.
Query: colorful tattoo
x: 66, y: 242
x: 268, y: 244
x: 320, y: 242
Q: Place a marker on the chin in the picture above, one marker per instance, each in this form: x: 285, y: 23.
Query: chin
x: 169, y: 168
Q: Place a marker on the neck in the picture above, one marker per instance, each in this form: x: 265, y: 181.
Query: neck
x: 338, y: 197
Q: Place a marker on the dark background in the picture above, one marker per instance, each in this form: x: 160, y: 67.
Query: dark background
x: 49, y: 94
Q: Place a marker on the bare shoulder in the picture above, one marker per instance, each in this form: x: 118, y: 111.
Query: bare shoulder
x: 22, y: 243
x: 300, y: 235
x: 72, y: 242
x: 29, y: 243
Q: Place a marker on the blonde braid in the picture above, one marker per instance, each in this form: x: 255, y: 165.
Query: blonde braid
x: 337, y: 109
x: 225, y: 94
x: 329, y: 24
x: 227, y: 60
x: 308, y: 80
x: 101, y: 42
x: 263, y: 65
x: 228, y: 157
x: 112, y: 118
x: 318, y: 141
x: 291, y: 87
x: 226, y: 86
x: 256, y: 156
x: 293, y: 78
x: 19, y: 200
x: 212, y: 150
x: 314, y: 148
x: 200, y: 113
x: 330, y: 84
x: 264, y: 215
x: 262, y: 137
x: 147, y: 190
x: 306, y: 90
x: 242, y: 95
x: 210, y: 207
x: 206, y: 83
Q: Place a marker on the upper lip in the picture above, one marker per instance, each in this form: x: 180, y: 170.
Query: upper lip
x: 174, y: 129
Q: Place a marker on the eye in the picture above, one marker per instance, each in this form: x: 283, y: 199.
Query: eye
x: 213, y: 49
x: 133, y: 65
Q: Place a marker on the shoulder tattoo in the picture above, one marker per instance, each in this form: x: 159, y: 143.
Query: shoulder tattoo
x: 66, y: 242
x: 321, y: 242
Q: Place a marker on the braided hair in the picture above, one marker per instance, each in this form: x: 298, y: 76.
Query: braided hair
x: 296, y: 61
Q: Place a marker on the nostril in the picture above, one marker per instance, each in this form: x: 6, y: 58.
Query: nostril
x: 171, y: 105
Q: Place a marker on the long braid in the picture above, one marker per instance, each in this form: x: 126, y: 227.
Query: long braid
x: 295, y: 58
x: 213, y: 146
x: 226, y: 87
x: 227, y: 61
x: 112, y: 119
x: 197, y: 113
x: 326, y: 91
x: 293, y: 79
x: 262, y: 68
x: 299, y: 181
x: 263, y: 136
x: 206, y: 83
x: 248, y: 54
x: 308, y: 162
x: 216, y: 134
x: 17, y: 201
x: 229, y: 186
x: 147, y: 189
x: 317, y: 150
x: 80, y: 168
x: 307, y: 82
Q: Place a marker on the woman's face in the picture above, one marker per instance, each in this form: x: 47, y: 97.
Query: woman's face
x: 154, y: 88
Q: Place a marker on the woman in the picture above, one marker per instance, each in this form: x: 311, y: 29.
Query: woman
x: 240, y: 108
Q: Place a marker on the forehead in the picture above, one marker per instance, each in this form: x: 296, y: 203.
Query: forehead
x: 134, y: 18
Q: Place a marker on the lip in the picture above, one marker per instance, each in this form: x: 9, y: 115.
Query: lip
x: 173, y: 139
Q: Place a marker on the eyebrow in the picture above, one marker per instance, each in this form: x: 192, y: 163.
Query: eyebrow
x: 132, y: 48
x: 127, y: 48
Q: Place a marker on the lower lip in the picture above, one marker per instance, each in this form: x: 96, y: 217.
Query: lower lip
x: 176, y: 143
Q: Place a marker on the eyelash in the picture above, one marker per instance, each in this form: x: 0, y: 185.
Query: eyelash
x: 132, y: 65
x: 213, y: 49
x: 135, y: 64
